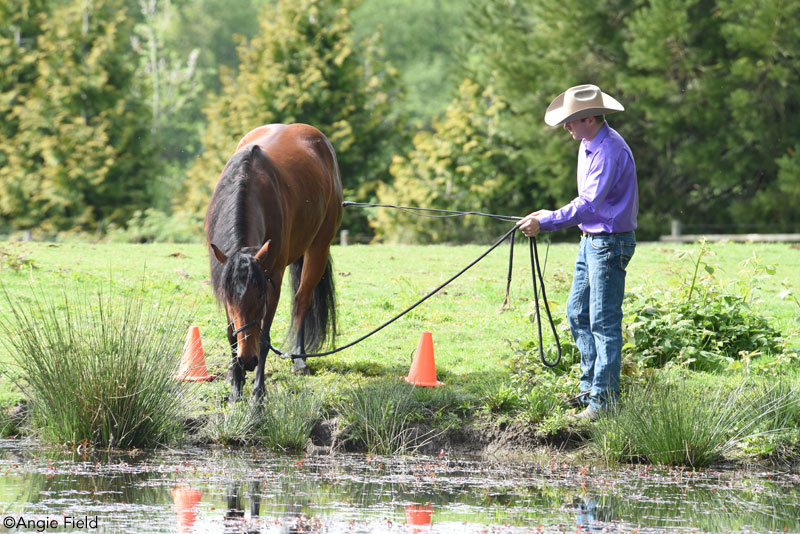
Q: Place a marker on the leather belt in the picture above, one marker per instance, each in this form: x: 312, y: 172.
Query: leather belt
x: 585, y: 234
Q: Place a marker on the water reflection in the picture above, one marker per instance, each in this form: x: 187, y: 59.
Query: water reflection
x: 235, y: 519
x: 186, y: 501
x: 251, y: 491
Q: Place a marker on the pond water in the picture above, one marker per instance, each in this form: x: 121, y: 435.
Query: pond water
x: 203, y: 490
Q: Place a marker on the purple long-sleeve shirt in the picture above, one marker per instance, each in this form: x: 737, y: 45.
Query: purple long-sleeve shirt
x: 608, y: 194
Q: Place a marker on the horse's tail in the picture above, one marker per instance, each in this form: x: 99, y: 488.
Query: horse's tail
x: 320, y: 321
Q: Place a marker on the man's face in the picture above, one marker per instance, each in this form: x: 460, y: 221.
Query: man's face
x: 581, y: 128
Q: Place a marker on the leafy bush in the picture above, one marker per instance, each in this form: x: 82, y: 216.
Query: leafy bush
x: 543, y: 390
x: 98, y: 369
x: 706, y: 324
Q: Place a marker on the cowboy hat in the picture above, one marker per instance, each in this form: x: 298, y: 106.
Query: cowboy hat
x: 580, y: 102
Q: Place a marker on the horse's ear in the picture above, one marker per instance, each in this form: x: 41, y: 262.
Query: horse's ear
x: 261, y: 255
x: 221, y: 257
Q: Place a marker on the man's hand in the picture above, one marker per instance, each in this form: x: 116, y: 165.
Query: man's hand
x: 529, y: 225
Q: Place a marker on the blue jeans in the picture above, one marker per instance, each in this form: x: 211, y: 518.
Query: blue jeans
x: 594, y: 311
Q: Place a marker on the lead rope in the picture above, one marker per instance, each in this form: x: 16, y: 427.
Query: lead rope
x: 286, y: 355
x: 535, y: 268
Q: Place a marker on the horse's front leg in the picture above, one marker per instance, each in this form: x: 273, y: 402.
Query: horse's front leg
x: 258, y: 385
x: 236, y: 371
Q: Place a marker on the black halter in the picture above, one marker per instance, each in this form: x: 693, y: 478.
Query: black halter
x: 263, y: 310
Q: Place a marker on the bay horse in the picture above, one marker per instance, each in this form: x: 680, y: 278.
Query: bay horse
x: 277, y: 203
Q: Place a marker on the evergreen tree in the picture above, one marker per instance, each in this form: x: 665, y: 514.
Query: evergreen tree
x: 708, y: 87
x: 463, y: 164
x: 18, y: 35
x: 82, y: 155
x: 303, y: 67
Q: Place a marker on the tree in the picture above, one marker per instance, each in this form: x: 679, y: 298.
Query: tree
x: 463, y: 164
x: 171, y: 82
x: 303, y: 67
x: 81, y: 155
x: 21, y: 28
x: 421, y: 39
x: 707, y: 85
x: 522, y: 163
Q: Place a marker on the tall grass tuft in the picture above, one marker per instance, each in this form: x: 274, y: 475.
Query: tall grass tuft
x: 234, y: 425
x: 287, y: 416
x: 98, y: 369
x: 671, y: 424
x: 378, y: 415
x: 282, y: 420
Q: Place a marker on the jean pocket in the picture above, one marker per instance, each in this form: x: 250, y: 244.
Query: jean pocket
x: 601, y: 243
x: 626, y: 253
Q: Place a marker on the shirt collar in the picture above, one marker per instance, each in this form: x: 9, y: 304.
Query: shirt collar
x: 602, y: 133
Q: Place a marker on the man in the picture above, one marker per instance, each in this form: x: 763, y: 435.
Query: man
x: 605, y: 210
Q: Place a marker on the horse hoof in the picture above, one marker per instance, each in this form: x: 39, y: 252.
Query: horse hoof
x: 300, y: 367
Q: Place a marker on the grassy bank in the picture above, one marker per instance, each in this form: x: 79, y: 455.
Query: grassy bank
x: 485, y: 354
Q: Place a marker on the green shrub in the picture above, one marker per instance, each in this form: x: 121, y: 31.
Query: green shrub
x: 282, y: 420
x: 152, y: 225
x: 98, y: 369
x: 500, y: 396
x: 706, y: 324
x: 442, y: 407
x: 781, y: 428
x: 10, y: 423
x: 235, y: 424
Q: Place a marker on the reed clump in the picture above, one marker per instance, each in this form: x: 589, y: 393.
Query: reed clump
x: 282, y: 420
x: 378, y: 416
x: 672, y: 423
x: 98, y: 369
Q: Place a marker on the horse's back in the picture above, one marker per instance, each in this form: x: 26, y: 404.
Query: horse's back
x: 304, y: 164
x: 286, y: 139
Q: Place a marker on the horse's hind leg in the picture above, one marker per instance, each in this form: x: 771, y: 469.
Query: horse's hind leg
x: 315, y: 262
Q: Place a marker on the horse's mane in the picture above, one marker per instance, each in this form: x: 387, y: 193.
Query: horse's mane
x: 225, y: 221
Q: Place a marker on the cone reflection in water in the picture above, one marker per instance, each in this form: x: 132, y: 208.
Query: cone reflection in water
x: 419, y: 514
x: 193, y: 361
x: 423, y: 368
x: 186, y: 501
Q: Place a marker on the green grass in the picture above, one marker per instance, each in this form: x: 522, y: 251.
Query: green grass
x: 378, y: 415
x: 476, y: 342
x: 472, y: 336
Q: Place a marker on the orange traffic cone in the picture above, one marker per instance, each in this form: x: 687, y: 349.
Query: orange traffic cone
x: 423, y: 368
x: 419, y: 514
x: 186, y: 501
x: 193, y: 362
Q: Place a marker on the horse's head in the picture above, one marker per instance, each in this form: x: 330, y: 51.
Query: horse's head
x: 243, y: 291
